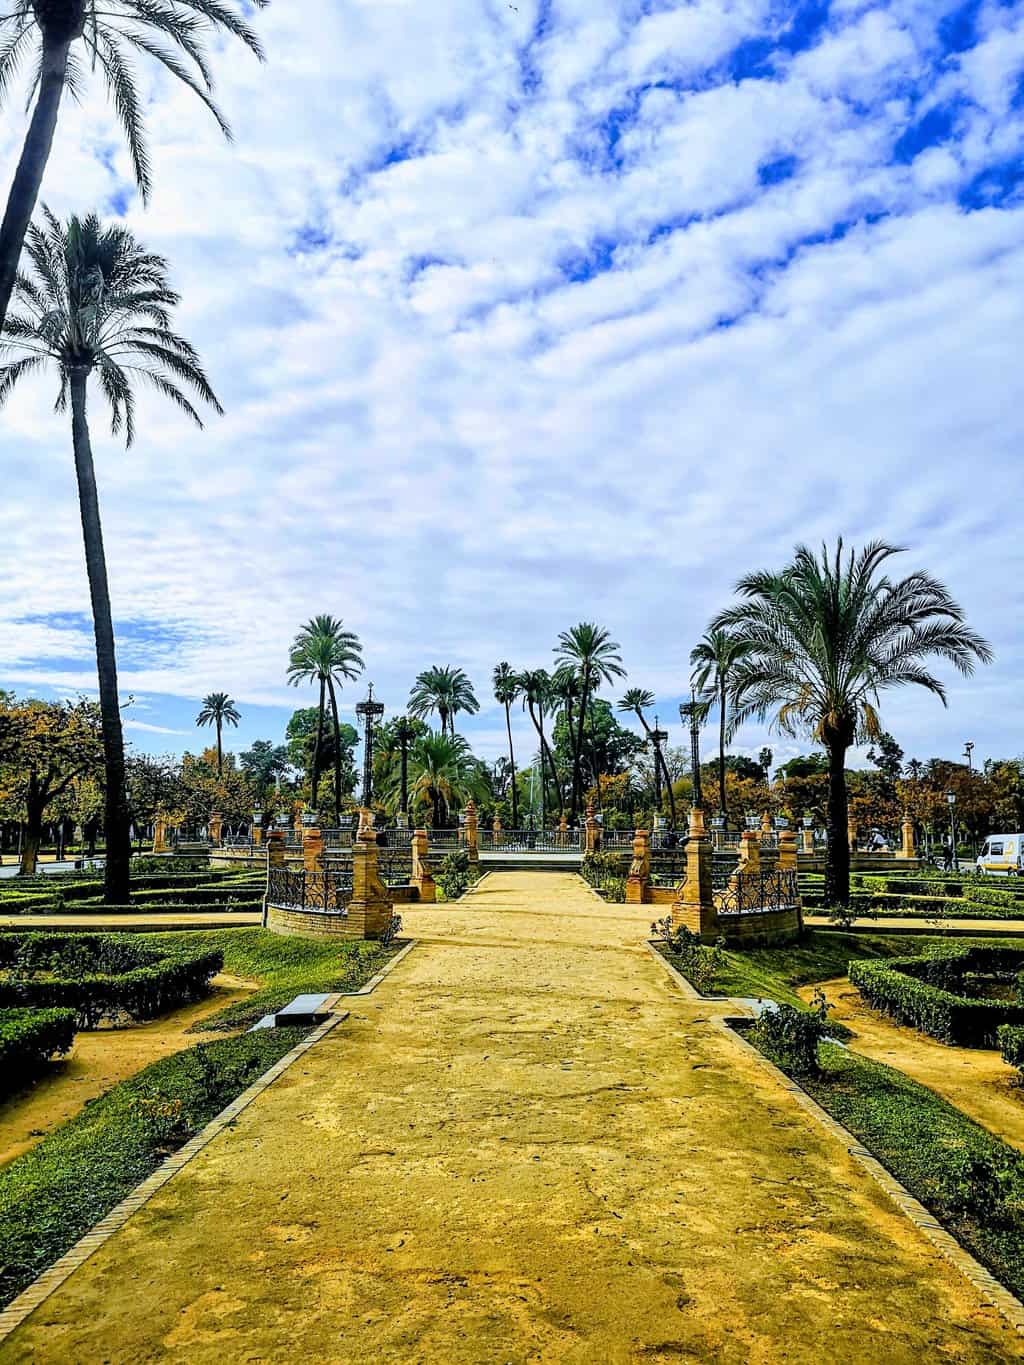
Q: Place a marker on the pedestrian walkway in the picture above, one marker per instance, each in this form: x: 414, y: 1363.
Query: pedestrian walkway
x: 526, y: 1145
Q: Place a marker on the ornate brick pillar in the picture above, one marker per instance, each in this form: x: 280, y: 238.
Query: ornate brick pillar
x: 851, y: 832
x: 496, y: 832
x: 216, y: 828
x: 591, y: 830
x: 160, y: 844
x: 807, y: 838
x: 750, y: 852
x: 908, y: 845
x: 275, y: 861
x: 369, y: 910
x: 472, y: 832
x: 787, y: 851
x: 639, y: 881
x: 312, y: 851
x: 422, y: 873
x: 696, y: 905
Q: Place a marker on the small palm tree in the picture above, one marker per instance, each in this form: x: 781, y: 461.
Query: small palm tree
x: 593, y: 654
x: 443, y: 772
x: 506, y: 692
x: 712, y: 660
x: 825, y: 637
x: 220, y: 710
x: 94, y: 303
x: 324, y: 652
x: 637, y: 700
x: 172, y: 33
x: 535, y: 689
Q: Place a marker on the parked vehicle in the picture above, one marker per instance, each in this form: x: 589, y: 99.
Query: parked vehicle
x: 1002, y: 855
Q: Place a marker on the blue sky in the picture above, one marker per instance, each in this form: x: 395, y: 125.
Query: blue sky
x: 537, y: 312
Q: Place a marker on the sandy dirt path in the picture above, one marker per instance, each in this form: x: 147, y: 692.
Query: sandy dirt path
x: 99, y: 1060
x: 526, y: 1145
x: 976, y: 1080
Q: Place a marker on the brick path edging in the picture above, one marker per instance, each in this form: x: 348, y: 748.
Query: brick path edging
x: 51, y: 1279
x: 994, y: 1293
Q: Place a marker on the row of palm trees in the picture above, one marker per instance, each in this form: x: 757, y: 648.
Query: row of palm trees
x: 92, y: 303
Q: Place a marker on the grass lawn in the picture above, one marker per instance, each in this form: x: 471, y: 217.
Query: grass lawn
x: 53, y: 1194
x: 284, y: 967
x: 969, y: 1179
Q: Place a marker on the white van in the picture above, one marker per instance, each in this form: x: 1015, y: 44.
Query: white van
x: 1002, y: 856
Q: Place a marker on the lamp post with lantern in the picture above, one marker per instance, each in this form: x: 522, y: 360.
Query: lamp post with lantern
x: 370, y: 712
x: 951, y: 799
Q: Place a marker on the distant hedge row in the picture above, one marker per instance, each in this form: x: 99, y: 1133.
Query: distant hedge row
x: 929, y: 993
x: 29, y: 1038
x: 101, y: 976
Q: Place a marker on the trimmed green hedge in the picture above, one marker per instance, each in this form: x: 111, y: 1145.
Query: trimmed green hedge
x: 1010, y: 1038
x: 927, y: 992
x: 101, y: 976
x: 29, y: 1038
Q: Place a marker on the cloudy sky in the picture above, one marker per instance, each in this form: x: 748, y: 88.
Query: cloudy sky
x: 526, y: 313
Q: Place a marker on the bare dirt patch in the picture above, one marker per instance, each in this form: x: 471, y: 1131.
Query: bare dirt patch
x: 100, y: 1059
x: 976, y: 1080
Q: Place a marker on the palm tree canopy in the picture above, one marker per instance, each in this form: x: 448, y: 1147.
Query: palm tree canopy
x: 173, y: 33
x: 94, y: 300
x: 713, y: 657
x: 506, y: 684
x: 592, y: 652
x: 444, y: 690
x: 827, y: 635
x: 324, y: 649
x: 218, y: 707
x: 444, y: 766
x: 637, y: 700
x: 535, y: 688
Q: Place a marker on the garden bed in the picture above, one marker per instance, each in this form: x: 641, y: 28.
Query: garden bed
x: 28, y: 1039
x: 941, y: 994
x: 102, y: 976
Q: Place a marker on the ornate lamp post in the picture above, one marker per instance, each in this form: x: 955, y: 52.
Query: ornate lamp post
x: 657, y: 739
x: 951, y: 799
x: 688, y: 714
x: 404, y: 732
x: 370, y: 712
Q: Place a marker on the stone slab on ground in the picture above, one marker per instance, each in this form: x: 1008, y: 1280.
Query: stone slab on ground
x: 527, y: 1145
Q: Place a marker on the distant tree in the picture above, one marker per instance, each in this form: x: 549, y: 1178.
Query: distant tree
x: 264, y: 763
x: 324, y: 652
x: 93, y: 303
x: 303, y: 735
x: 825, y: 637
x: 443, y: 692
x: 637, y: 700
x: 887, y: 756
x: 591, y: 651
x: 805, y: 765
x: 535, y: 690
x: 764, y: 762
x: 154, y: 785
x: 219, y: 710
x: 506, y: 693
x: 442, y: 774
x: 712, y: 660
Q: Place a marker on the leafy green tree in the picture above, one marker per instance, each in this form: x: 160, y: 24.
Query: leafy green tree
x: 203, y: 790
x: 591, y: 651
x: 45, y: 746
x: 324, y: 652
x: 887, y: 756
x: 55, y: 33
x: 153, y: 785
x: 825, y: 637
x: 265, y: 762
x: 96, y: 304
x: 506, y: 694
x: 219, y: 710
x: 443, y: 692
x: 712, y: 660
x: 637, y: 700
x: 535, y: 690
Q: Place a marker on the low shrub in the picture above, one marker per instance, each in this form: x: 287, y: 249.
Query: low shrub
x: 699, y: 962
x: 456, y: 874
x: 607, y: 873
x: 101, y: 976
x: 928, y: 992
x: 29, y: 1038
x: 1010, y: 1038
x: 790, y: 1037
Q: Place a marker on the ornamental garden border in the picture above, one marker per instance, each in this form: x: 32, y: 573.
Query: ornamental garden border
x: 928, y: 993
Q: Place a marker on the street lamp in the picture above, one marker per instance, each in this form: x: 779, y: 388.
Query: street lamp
x: 688, y: 714
x: 404, y: 732
x: 656, y: 739
x: 370, y: 712
x: 951, y: 798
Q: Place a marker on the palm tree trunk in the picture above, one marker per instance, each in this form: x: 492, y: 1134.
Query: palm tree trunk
x: 116, y: 876
x: 837, y: 854
x: 315, y: 778
x: 721, y: 747
x: 512, y: 765
x: 220, y: 751
x: 337, y: 751
x: 543, y: 780
x: 35, y: 152
x: 577, y: 773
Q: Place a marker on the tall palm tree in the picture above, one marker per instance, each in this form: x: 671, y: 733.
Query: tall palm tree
x: 826, y: 636
x: 443, y: 772
x: 93, y: 302
x: 220, y: 710
x: 506, y: 692
x: 446, y: 691
x: 324, y: 652
x: 712, y: 660
x: 172, y: 33
x: 637, y: 699
x: 591, y: 651
x: 535, y: 689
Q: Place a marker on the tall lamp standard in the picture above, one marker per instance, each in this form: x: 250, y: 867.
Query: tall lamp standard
x: 657, y: 739
x: 370, y: 712
x: 951, y: 798
x: 688, y: 714
x: 404, y: 733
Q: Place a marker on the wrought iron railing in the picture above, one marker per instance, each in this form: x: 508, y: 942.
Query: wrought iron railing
x: 747, y: 893
x: 616, y: 838
x: 530, y: 840
x: 394, y: 866
x: 668, y: 867
x: 297, y: 889
x: 443, y: 838
x: 336, y: 838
